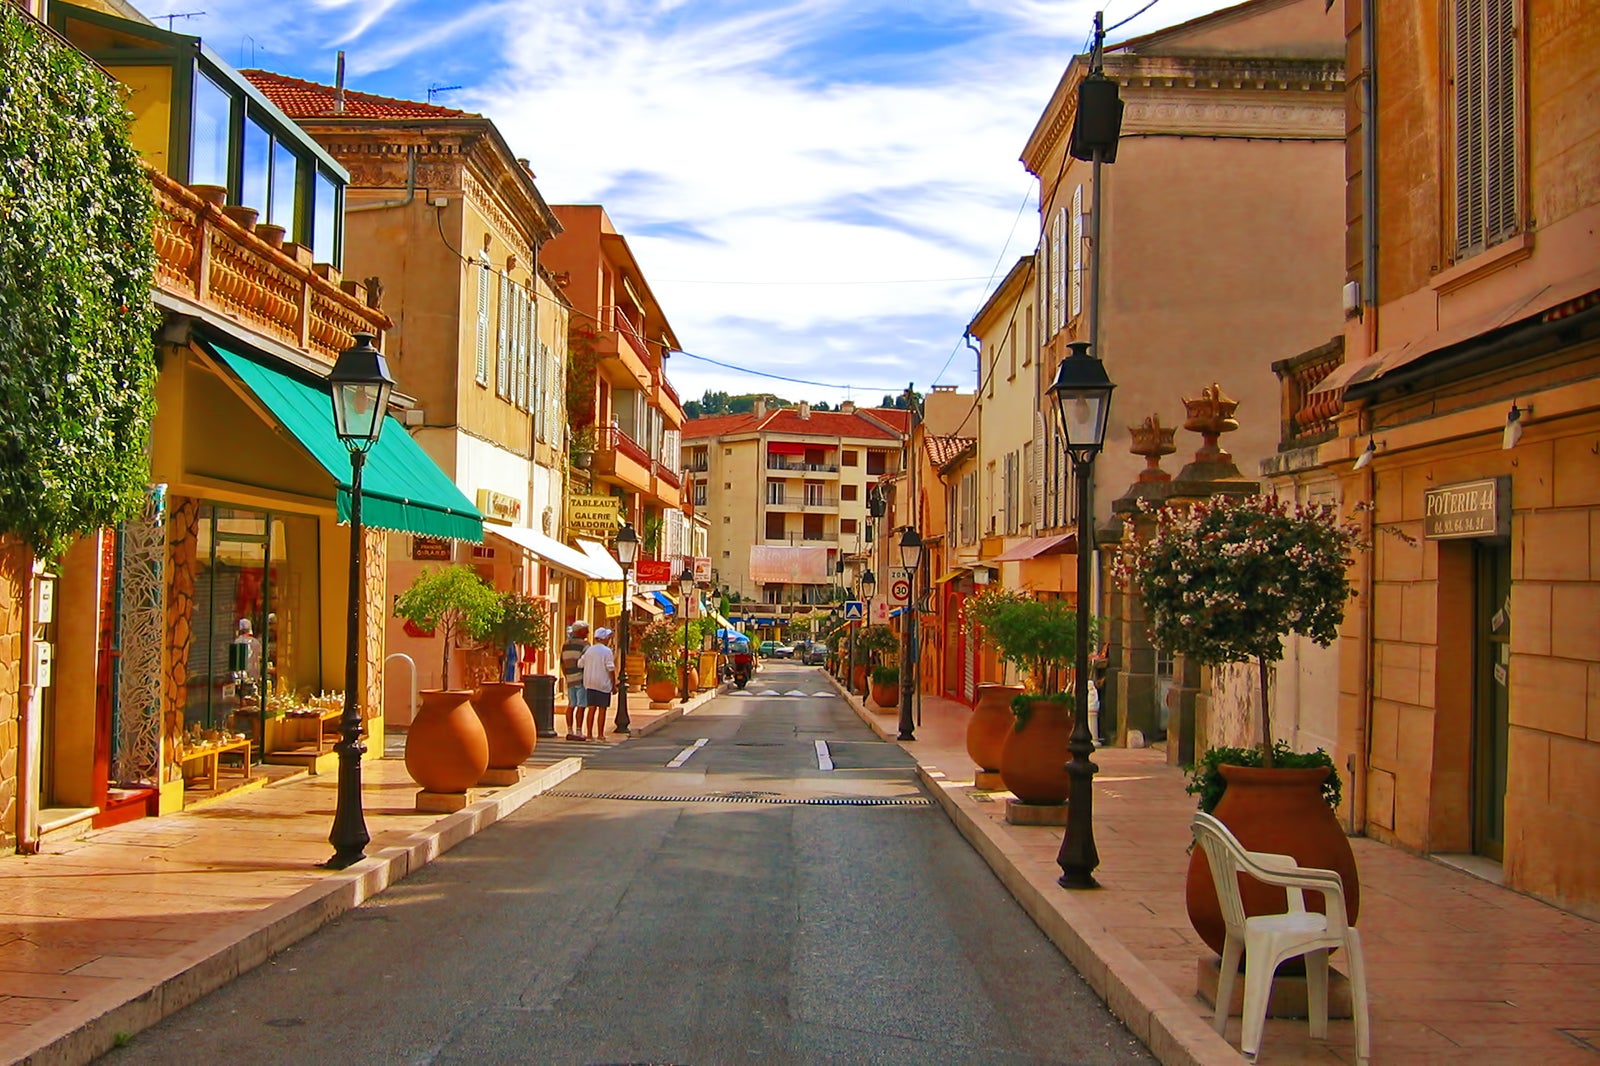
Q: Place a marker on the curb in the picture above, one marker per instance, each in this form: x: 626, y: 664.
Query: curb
x: 1170, y: 1028
x: 92, y: 1027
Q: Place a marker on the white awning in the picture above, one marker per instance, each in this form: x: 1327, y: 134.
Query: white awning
x: 601, y: 560
x: 648, y: 606
x: 552, y: 551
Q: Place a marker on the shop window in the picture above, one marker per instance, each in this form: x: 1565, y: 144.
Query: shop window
x: 256, y: 625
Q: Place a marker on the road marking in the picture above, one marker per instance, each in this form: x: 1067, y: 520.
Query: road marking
x: 683, y: 756
x: 824, y: 760
x: 769, y: 692
x: 796, y: 692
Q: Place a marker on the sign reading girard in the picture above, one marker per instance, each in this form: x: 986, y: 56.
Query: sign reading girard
x: 1468, y: 509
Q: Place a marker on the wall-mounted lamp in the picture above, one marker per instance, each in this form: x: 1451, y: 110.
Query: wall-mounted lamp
x: 1513, y: 430
x: 1366, y: 454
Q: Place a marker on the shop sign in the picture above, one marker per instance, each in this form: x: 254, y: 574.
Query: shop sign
x: 654, y: 572
x: 702, y: 570
x: 1468, y: 509
x: 430, y: 549
x: 500, y: 506
x: 593, y: 515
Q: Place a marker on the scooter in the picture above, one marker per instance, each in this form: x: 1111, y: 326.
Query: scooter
x: 739, y: 672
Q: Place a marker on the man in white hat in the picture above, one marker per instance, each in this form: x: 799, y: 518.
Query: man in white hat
x: 599, y: 680
x: 572, y: 674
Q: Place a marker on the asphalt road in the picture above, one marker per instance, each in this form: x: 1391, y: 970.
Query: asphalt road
x: 744, y: 905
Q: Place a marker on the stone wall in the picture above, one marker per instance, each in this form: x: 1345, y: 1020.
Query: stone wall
x: 15, y: 561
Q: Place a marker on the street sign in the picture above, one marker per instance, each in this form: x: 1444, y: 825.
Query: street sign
x: 880, y: 612
x: 899, y: 591
x: 853, y: 610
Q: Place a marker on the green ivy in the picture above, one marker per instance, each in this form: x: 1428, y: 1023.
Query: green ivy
x: 77, y: 353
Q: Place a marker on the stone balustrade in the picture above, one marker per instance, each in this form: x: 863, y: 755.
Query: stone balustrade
x: 1307, y: 415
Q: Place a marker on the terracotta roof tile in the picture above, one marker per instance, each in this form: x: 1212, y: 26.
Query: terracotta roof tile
x: 942, y: 451
x: 824, y: 424
x: 298, y: 98
x: 717, y: 425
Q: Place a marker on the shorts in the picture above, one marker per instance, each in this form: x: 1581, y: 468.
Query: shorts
x: 598, y: 697
x: 577, y: 695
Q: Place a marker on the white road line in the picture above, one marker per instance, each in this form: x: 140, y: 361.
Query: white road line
x: 796, y: 692
x: 683, y: 756
x: 824, y: 760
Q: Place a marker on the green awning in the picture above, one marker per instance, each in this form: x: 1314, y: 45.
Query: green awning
x: 401, y: 487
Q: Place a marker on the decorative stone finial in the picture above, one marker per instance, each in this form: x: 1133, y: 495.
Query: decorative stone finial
x: 1153, y: 440
x: 1211, y: 415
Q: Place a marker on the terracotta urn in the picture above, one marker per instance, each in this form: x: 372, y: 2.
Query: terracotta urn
x: 1278, y: 811
x: 508, y: 723
x: 447, y: 749
x: 859, y: 679
x: 1033, y: 759
x: 661, y: 691
x: 216, y: 195
x: 886, y: 694
x: 989, y: 725
x: 245, y: 216
x: 271, y: 232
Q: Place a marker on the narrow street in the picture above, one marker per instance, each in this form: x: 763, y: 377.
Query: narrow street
x: 708, y: 894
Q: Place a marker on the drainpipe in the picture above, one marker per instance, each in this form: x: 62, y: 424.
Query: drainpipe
x: 27, y: 813
x: 411, y: 188
x: 1360, y: 774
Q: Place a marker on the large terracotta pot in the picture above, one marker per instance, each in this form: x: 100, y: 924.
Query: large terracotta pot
x: 661, y: 691
x: 991, y: 721
x: 1279, y: 811
x: 507, y: 721
x: 1033, y: 759
x: 447, y: 749
x: 859, y: 679
x: 886, y: 694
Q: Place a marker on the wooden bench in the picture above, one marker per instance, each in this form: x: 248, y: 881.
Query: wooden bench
x: 208, y: 762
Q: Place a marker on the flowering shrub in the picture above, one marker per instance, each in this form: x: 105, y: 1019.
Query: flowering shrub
x: 1227, y: 579
x: 1039, y: 637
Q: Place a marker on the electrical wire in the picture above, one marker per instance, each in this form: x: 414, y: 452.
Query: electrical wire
x: 885, y: 281
x: 777, y: 377
x: 1133, y: 16
x: 1026, y: 196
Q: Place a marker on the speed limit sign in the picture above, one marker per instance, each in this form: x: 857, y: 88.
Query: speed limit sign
x: 900, y: 590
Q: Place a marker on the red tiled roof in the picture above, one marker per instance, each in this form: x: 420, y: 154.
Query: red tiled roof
x: 897, y: 418
x: 945, y: 450
x: 298, y: 98
x: 717, y: 425
x: 824, y: 424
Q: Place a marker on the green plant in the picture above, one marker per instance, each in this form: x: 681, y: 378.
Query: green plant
x: 1207, y: 782
x: 1227, y: 579
x: 661, y: 642
x: 77, y: 354
x: 661, y: 671
x: 885, y: 675
x: 581, y: 441
x: 1039, y: 637
x: 454, y: 599
x: 877, y: 641
x: 650, y: 534
x: 523, y: 620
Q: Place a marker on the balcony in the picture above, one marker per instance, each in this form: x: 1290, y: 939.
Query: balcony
x: 795, y: 468
x: 784, y: 502
x: 621, y: 355
x: 1307, y: 418
x: 206, y: 257
x: 668, y: 475
x: 621, y: 458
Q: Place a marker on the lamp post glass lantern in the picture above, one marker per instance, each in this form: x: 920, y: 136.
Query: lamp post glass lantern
x: 910, y: 561
x: 360, y: 386
x: 1082, y: 397
x: 627, y: 552
x: 685, y: 590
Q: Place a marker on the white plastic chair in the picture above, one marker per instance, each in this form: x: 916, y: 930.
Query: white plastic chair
x: 1269, y: 939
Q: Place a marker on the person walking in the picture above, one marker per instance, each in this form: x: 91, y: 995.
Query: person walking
x: 572, y: 674
x: 599, y: 681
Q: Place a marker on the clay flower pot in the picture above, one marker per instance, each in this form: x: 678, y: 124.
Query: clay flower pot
x: 661, y: 691
x: 1033, y: 759
x: 991, y: 721
x: 215, y: 195
x: 245, y: 216
x: 886, y: 695
x: 271, y: 232
x: 508, y: 723
x: 447, y: 749
x: 1279, y: 811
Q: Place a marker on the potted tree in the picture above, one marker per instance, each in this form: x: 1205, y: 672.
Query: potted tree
x: 872, y: 644
x: 1040, y: 638
x: 661, y: 646
x: 447, y: 749
x: 501, y: 708
x: 1224, y: 581
x: 886, y: 687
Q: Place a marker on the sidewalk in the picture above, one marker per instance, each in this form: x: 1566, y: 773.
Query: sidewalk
x: 1459, y: 970
x: 108, y: 934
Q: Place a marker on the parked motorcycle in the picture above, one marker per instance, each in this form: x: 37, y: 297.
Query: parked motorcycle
x: 743, y: 666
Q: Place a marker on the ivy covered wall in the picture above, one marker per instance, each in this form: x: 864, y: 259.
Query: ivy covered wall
x: 77, y: 355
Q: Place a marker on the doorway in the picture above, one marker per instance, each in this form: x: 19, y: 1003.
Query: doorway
x: 1491, y: 705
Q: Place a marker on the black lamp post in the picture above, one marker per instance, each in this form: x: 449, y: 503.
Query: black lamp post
x: 685, y: 590
x: 1082, y: 394
x: 868, y: 583
x: 910, y: 560
x: 627, y: 552
x: 360, y: 384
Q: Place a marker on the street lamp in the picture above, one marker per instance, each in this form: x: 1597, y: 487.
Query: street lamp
x: 685, y: 590
x: 910, y: 560
x: 627, y: 552
x: 360, y: 385
x: 1082, y: 394
x: 868, y: 583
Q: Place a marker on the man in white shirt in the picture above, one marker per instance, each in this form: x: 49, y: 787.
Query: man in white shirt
x: 599, y: 680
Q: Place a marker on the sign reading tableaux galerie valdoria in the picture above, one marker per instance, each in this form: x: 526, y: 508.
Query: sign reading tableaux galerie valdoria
x: 593, y: 516
x: 1468, y: 509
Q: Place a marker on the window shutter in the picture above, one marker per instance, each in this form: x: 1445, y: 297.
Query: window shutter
x: 1036, y: 470
x: 502, y: 362
x: 1500, y: 120
x: 1056, y: 240
x: 1487, y: 165
x: 521, y: 362
x: 1076, y: 287
x: 482, y: 374
x: 1041, y: 271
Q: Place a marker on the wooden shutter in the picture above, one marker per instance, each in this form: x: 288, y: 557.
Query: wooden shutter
x: 1075, y: 288
x: 502, y: 361
x: 521, y: 359
x: 1487, y: 165
x: 482, y: 374
x: 1036, y: 470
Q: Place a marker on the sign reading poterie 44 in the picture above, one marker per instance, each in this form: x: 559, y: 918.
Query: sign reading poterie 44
x: 1468, y: 509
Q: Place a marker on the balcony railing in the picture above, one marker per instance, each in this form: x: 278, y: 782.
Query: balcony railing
x: 667, y: 474
x: 630, y: 333
x: 1308, y: 417
x: 698, y: 466
x: 776, y: 463
x: 205, y: 256
x: 613, y: 439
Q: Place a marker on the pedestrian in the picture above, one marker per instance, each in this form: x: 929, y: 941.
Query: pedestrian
x: 577, y: 696
x: 599, y: 680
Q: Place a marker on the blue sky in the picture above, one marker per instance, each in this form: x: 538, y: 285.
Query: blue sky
x: 819, y: 189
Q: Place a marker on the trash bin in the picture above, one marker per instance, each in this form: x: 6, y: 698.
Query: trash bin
x: 539, y: 691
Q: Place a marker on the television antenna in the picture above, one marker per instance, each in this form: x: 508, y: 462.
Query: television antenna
x: 177, y: 15
x: 434, y: 89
